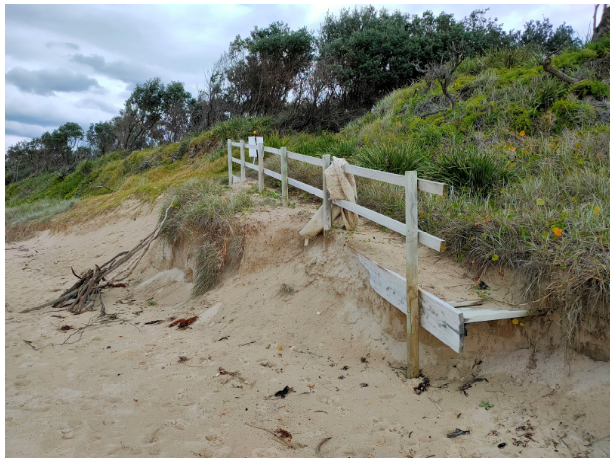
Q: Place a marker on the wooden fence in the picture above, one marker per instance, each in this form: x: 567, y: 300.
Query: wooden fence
x: 438, y: 317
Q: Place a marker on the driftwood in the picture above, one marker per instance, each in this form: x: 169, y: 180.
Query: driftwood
x: 82, y: 295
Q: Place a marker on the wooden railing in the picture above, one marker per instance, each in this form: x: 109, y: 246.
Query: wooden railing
x: 410, y: 229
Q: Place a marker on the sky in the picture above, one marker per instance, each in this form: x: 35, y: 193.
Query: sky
x: 79, y: 63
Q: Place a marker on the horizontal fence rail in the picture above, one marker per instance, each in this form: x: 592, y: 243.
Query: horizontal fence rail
x: 432, y: 187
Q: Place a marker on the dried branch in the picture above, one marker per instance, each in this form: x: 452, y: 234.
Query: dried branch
x: 82, y: 295
x: 547, y: 66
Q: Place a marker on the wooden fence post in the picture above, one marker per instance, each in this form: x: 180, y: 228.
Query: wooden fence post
x: 230, y: 162
x: 327, y: 203
x: 261, y: 174
x: 283, y: 175
x: 243, y: 159
x: 412, y: 270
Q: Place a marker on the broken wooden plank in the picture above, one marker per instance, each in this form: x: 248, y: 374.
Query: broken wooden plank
x: 439, y: 318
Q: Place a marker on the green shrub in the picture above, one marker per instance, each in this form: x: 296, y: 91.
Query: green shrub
x: 601, y: 47
x: 520, y: 118
x: 572, y: 113
x: 587, y: 87
x: 573, y: 59
x: 276, y: 141
x: 393, y: 157
x: 243, y: 128
x: 465, y: 169
x: 183, y: 149
x: 85, y: 167
x: 471, y: 65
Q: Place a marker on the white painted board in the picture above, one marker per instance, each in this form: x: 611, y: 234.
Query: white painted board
x: 253, y: 141
x: 475, y: 314
x: 439, y: 318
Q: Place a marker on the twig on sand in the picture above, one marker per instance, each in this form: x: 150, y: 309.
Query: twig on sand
x: 250, y: 342
x: 439, y: 408
x: 29, y: 343
x: 321, y: 444
x: 289, y: 444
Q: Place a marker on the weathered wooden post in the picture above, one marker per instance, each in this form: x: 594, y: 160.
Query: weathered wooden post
x: 230, y: 162
x: 327, y: 203
x: 283, y: 175
x: 412, y: 271
x: 261, y: 174
x: 243, y: 159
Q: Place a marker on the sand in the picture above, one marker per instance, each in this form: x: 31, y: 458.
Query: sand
x: 121, y: 390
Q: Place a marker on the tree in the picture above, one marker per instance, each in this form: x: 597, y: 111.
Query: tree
x: 604, y: 24
x: 369, y: 52
x: 176, y: 116
x: 373, y: 53
x: 101, y: 137
x: 443, y: 72
x: 142, y: 111
x: 262, y: 69
x: 59, y: 145
x: 541, y: 34
x: 211, y: 103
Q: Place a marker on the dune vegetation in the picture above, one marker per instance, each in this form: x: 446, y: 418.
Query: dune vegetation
x: 526, y: 155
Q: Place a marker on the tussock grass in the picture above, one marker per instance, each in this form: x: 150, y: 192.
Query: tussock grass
x: 393, y: 157
x: 40, y: 211
x: 23, y: 220
x: 202, y: 214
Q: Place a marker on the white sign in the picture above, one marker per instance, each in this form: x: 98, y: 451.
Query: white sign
x: 253, y: 152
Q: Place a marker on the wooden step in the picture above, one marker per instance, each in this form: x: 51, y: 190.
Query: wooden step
x: 474, y: 314
x: 444, y: 320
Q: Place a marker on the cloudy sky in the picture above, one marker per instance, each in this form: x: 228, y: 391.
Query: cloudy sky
x: 80, y: 62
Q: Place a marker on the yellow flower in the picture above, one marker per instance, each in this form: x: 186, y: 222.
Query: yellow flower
x: 254, y: 132
x: 515, y: 321
x: 522, y: 133
x: 596, y: 210
x: 171, y: 205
